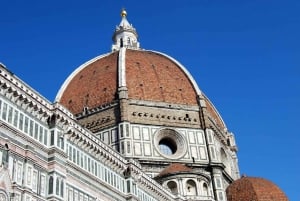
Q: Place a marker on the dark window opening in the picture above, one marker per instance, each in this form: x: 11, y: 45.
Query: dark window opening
x: 50, y: 191
x: 167, y: 146
x: 52, y: 138
x: 62, y: 189
x: 121, y: 42
x: 57, y: 186
x: 5, y: 155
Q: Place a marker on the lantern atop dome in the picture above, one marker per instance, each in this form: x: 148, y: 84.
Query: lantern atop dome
x: 125, y: 35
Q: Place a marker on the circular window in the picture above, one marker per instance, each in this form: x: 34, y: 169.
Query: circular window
x: 167, y: 146
x: 170, y: 143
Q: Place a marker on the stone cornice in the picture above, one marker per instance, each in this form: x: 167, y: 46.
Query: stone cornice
x: 31, y: 101
x: 95, y: 147
x: 220, y: 133
x: 22, y: 95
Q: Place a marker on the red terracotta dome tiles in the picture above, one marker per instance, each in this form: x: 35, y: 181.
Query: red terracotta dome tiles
x: 149, y: 76
x: 254, y: 189
x: 94, y: 85
x: 154, y: 77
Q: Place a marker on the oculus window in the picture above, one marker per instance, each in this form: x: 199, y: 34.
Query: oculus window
x: 170, y: 143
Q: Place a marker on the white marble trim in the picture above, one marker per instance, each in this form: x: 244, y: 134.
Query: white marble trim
x: 122, y: 67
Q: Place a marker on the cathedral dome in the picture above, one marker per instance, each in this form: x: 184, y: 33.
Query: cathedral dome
x: 254, y: 189
x: 148, y: 76
x: 129, y: 72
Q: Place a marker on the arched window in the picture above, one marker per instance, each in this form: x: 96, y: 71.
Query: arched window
x: 128, y: 41
x: 62, y: 188
x: 5, y: 155
x: 50, y: 190
x: 191, y: 188
x: 121, y: 42
x: 205, y: 189
x: 52, y: 138
x: 57, y: 186
x: 172, y: 185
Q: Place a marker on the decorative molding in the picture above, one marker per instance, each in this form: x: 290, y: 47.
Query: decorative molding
x: 170, y: 118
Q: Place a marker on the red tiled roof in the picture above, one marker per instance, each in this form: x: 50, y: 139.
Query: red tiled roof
x: 174, y: 168
x: 254, y: 189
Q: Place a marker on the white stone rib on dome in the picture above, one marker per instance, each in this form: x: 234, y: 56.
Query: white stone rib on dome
x: 217, y: 112
x: 122, y: 67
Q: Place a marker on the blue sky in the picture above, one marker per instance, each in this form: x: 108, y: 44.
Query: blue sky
x: 244, y: 55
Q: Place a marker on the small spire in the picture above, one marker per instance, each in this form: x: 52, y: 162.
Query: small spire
x: 125, y: 34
